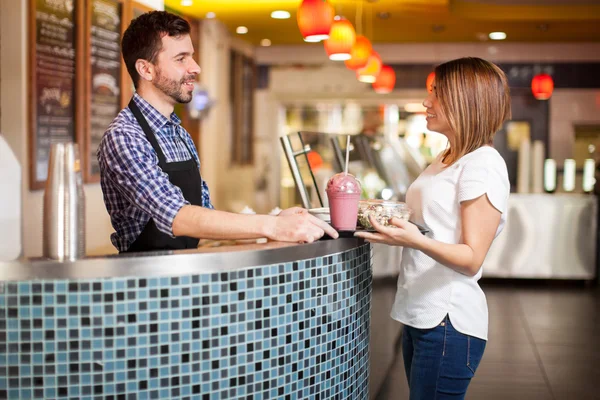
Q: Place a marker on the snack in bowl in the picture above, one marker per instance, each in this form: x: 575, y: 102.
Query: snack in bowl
x: 383, y: 211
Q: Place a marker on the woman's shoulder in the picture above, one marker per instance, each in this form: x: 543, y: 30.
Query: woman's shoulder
x: 486, y: 155
x: 485, y: 160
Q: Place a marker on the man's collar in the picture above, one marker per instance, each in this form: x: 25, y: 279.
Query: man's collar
x: 154, y: 117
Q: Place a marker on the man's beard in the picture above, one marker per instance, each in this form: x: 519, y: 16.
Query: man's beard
x: 173, y: 89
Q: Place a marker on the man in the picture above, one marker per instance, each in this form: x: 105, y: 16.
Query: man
x: 150, y: 171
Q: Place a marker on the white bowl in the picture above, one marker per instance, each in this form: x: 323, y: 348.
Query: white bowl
x: 321, y: 213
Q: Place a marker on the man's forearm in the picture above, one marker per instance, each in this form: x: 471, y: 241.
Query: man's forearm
x: 203, y: 223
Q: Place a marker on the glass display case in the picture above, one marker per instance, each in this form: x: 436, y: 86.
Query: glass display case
x: 389, y: 147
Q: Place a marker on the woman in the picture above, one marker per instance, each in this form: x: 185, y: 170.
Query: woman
x: 462, y: 198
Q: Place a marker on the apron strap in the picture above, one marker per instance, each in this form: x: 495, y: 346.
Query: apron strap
x: 162, y: 161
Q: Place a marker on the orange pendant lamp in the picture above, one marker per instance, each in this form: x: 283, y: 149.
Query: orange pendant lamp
x: 385, y: 81
x: 359, y: 55
x: 542, y: 86
x: 429, y: 82
x: 341, y: 39
x: 314, y: 20
x: 369, y: 72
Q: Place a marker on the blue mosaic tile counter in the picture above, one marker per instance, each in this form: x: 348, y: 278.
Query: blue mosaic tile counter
x: 278, y: 321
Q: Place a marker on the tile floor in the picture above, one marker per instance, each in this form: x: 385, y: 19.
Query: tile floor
x: 544, y: 343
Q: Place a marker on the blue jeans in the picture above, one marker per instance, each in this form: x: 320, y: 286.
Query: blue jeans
x: 440, y: 362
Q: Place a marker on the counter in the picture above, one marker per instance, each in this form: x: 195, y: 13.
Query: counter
x: 273, y: 321
x: 547, y: 236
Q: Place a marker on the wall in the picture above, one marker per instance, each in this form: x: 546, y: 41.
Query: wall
x: 569, y: 107
x: 155, y: 4
x: 232, y: 187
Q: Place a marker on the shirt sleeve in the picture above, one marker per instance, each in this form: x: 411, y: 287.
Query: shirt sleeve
x: 206, y: 196
x: 132, y: 166
x: 485, y: 175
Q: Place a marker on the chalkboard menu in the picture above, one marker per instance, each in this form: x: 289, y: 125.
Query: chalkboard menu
x: 104, y: 75
x: 53, y: 66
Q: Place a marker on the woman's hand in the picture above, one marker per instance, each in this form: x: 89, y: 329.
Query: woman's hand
x: 405, y: 234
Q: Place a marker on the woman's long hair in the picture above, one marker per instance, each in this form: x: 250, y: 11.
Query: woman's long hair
x: 475, y: 99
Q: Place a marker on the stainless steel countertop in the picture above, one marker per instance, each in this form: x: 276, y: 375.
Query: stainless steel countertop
x: 174, y: 263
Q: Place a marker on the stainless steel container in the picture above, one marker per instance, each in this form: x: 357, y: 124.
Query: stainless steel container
x: 64, y: 205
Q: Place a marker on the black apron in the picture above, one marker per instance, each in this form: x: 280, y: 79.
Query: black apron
x: 183, y: 174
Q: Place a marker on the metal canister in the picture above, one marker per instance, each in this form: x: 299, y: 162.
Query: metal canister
x: 64, y: 204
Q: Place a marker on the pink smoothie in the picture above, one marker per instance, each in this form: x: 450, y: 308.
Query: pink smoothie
x: 343, y: 192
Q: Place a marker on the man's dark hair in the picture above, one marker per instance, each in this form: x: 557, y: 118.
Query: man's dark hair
x: 143, y: 38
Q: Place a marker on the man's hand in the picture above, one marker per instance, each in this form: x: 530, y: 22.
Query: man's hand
x: 298, y: 225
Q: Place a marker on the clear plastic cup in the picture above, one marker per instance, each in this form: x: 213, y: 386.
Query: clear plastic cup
x: 343, y: 192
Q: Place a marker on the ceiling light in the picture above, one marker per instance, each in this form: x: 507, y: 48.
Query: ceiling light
x: 369, y: 72
x: 360, y: 53
x: 210, y: 15
x: 242, y: 30
x: 315, y: 19
x: 429, y: 82
x: 542, y: 86
x: 385, y: 81
x: 341, y: 39
x: 186, y: 3
x: 265, y: 42
x: 280, y: 14
x: 497, y: 35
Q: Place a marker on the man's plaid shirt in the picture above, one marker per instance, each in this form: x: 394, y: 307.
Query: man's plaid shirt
x: 134, y: 187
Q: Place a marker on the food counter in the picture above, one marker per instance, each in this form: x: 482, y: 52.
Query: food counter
x: 275, y: 320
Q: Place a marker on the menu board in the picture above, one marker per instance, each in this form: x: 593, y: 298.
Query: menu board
x: 105, y: 75
x: 53, y: 81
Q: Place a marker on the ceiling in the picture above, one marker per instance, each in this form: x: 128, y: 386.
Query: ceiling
x: 417, y: 21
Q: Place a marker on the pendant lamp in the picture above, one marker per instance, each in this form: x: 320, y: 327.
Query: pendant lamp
x: 385, y: 81
x: 369, y: 72
x: 542, y: 86
x: 359, y: 55
x: 341, y: 39
x: 429, y: 82
x: 314, y: 20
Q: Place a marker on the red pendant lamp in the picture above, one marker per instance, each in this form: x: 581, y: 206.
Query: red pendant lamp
x: 314, y: 19
x: 369, y: 72
x: 429, y: 82
x: 359, y: 55
x: 385, y: 81
x: 341, y: 39
x: 542, y: 86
